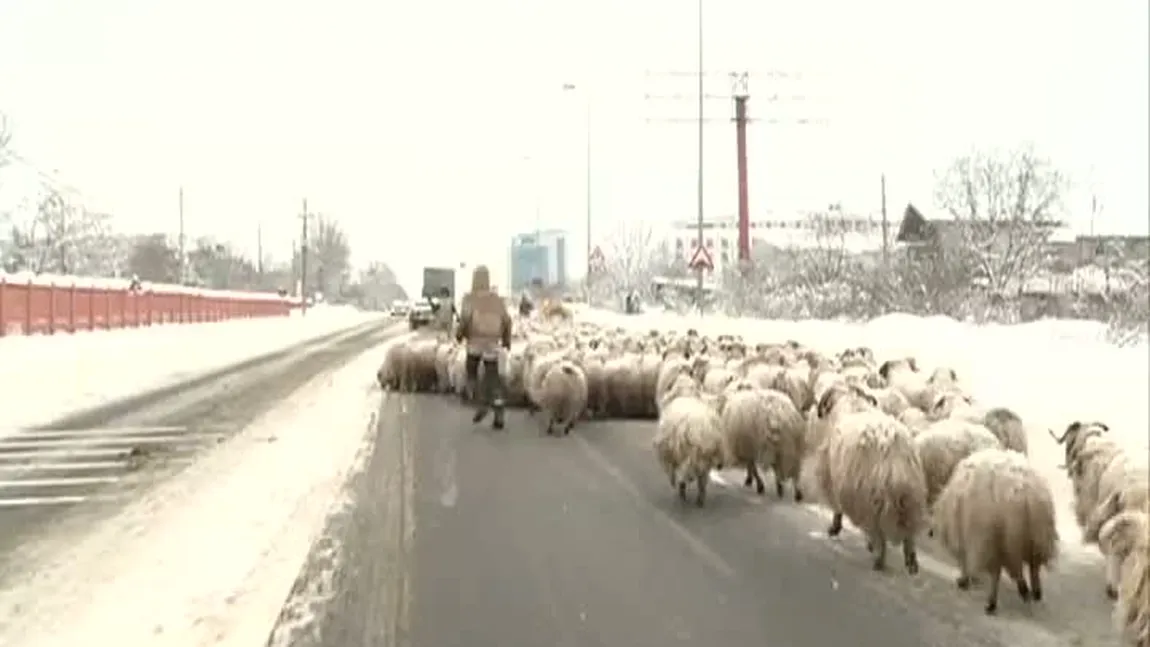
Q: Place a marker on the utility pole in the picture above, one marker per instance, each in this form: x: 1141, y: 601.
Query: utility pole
x: 885, y: 223
x: 183, y: 256
x: 739, y: 96
x: 303, y: 245
x: 568, y: 87
x: 260, y: 251
x: 699, y: 180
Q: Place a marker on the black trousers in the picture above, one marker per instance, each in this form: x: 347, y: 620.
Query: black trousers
x: 487, y: 389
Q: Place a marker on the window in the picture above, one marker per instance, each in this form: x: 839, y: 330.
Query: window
x: 710, y: 243
x: 725, y: 243
x: 726, y: 257
x: 679, y: 244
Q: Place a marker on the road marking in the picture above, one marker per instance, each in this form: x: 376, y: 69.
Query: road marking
x: 92, y: 440
x: 33, y: 501
x: 60, y: 482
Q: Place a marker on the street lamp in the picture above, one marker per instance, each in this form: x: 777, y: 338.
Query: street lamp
x: 571, y: 87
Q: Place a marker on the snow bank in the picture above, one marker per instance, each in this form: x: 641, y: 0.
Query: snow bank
x: 209, y: 557
x: 48, y: 377
x: 1050, y: 372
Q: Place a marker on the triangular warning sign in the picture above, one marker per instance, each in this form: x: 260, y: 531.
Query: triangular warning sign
x: 701, y: 260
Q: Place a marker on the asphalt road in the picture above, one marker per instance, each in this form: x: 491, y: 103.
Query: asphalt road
x: 458, y: 536
x: 74, y: 472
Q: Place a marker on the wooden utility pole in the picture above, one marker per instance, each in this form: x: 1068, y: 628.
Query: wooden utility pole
x: 303, y: 247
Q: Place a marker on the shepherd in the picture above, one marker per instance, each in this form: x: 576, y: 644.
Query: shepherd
x: 485, y: 326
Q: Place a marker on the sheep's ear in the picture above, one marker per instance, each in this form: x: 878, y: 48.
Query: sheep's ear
x: 1100, y: 425
x: 826, y: 402
x: 884, y: 370
x: 913, y: 363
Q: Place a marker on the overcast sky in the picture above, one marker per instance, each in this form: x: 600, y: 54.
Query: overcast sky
x: 433, y: 130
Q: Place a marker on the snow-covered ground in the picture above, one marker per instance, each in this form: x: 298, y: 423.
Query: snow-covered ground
x: 1050, y: 372
x: 208, y: 557
x: 44, y: 378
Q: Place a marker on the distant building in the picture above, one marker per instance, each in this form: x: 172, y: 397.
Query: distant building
x: 800, y: 229
x: 538, y: 259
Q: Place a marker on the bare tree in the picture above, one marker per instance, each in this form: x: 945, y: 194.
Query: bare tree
x: 632, y: 257
x: 1005, y: 207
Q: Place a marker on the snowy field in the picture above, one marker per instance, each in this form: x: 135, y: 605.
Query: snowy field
x: 208, y: 557
x: 47, y: 377
x: 1050, y: 372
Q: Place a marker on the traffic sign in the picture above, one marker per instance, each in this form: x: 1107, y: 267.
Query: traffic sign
x: 597, y: 261
x: 701, y: 260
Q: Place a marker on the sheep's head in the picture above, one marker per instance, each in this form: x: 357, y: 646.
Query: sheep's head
x: 895, y: 365
x: 840, y: 396
x: 943, y: 375
x: 1123, y: 532
x: 691, y: 332
x: 946, y: 402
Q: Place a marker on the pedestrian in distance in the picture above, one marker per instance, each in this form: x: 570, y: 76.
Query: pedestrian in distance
x: 485, y: 326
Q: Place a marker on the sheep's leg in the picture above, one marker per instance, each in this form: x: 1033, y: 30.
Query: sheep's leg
x: 701, y: 487
x: 877, y: 544
x: 569, y: 426
x: 910, y: 555
x: 836, y: 526
x: 992, y: 597
x: 1020, y: 582
x: 778, y: 468
x: 798, y: 490
x: 964, y: 579
x: 550, y: 426
x: 753, y: 476
x: 683, y: 490
x: 1035, y: 581
x: 1113, y: 567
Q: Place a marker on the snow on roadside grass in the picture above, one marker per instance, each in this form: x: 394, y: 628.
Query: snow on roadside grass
x: 208, y: 557
x: 1050, y: 372
x: 47, y: 377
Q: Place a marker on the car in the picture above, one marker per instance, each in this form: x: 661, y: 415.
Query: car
x: 420, y: 315
x: 400, y: 309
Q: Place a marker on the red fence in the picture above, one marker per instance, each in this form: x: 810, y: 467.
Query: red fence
x: 37, y: 306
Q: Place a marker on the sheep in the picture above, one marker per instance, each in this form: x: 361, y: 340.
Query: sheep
x: 393, y: 374
x: 794, y: 381
x: 717, y: 379
x: 1127, y: 535
x: 914, y: 419
x: 689, y: 444
x: 762, y: 426
x: 868, y: 470
x: 563, y: 396
x: 1003, y: 423
x: 1123, y: 486
x: 995, y: 514
x: 943, y: 445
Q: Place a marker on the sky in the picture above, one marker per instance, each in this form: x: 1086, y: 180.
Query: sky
x: 435, y: 130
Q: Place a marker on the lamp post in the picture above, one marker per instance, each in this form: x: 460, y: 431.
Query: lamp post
x: 571, y: 87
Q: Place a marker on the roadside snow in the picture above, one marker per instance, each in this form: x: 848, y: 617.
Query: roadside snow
x: 48, y: 377
x: 1050, y: 372
x: 209, y: 557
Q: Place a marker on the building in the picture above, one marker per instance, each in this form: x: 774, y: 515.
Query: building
x: 538, y: 258
x: 810, y: 230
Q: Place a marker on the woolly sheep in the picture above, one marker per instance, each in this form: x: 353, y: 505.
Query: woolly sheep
x: 869, y: 472
x: 563, y: 396
x: 997, y: 513
x: 717, y: 379
x: 914, y: 419
x: 943, y: 445
x: 763, y: 426
x: 1003, y: 423
x: 689, y: 444
x: 1123, y: 486
x: 1127, y: 534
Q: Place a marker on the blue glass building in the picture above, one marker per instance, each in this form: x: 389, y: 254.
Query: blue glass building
x: 538, y: 258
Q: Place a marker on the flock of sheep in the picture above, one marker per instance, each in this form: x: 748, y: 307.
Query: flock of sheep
x: 898, y: 451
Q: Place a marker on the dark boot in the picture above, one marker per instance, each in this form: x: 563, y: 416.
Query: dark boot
x: 497, y: 421
x: 480, y: 414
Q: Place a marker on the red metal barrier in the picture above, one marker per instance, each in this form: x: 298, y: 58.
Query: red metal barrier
x: 39, y: 306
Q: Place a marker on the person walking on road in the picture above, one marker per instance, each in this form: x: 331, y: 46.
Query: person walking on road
x: 485, y: 325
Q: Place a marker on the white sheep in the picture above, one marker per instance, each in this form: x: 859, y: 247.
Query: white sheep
x: 943, y: 445
x: 1002, y: 422
x: 763, y: 427
x: 563, y: 396
x: 868, y: 470
x: 995, y: 514
x: 1127, y: 534
x: 689, y: 444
